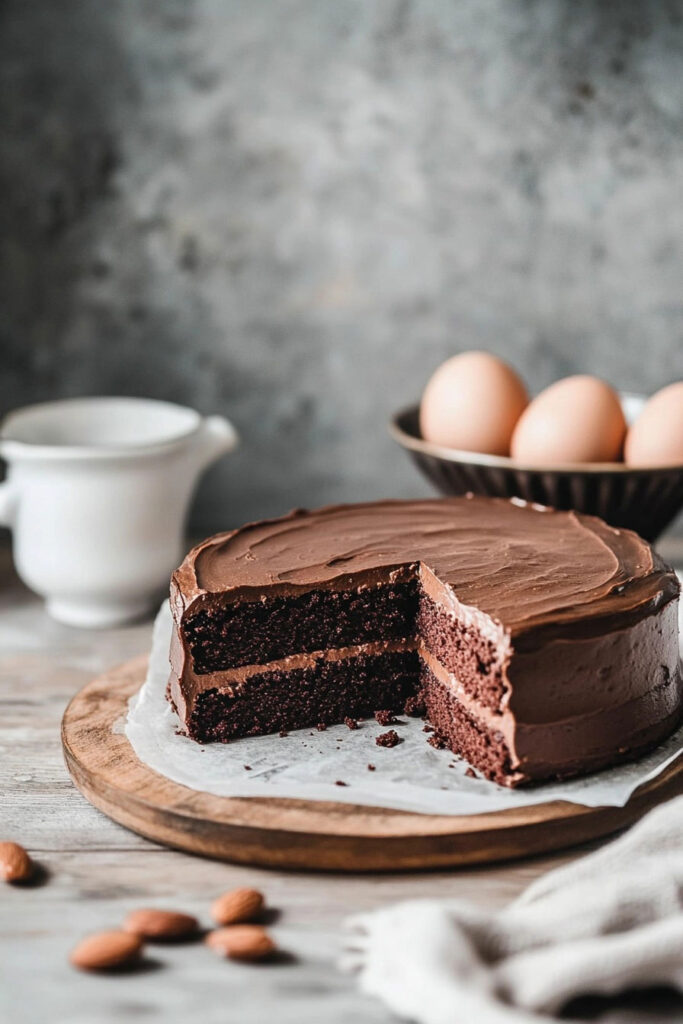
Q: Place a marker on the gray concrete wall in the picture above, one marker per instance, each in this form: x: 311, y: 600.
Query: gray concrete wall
x: 290, y: 212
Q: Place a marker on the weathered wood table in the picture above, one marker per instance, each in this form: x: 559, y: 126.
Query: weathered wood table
x: 95, y: 871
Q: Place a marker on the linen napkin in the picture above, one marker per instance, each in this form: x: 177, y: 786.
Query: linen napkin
x: 605, y: 923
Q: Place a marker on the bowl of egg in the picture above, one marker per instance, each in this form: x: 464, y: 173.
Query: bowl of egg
x: 577, y: 445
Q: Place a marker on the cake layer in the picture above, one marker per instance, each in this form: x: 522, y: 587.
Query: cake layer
x: 223, y: 635
x: 463, y: 733
x: 325, y: 692
x: 464, y: 650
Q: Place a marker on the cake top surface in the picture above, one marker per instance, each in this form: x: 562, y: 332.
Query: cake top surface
x: 523, y: 565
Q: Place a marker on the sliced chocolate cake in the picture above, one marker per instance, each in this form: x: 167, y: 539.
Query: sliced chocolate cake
x: 540, y: 643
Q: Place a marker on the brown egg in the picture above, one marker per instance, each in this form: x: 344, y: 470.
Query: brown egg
x: 578, y: 419
x: 472, y: 402
x: 656, y: 437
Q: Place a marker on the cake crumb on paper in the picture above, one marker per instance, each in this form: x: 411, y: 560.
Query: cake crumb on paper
x: 388, y: 739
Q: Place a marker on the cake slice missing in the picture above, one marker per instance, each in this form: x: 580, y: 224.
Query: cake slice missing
x: 540, y: 643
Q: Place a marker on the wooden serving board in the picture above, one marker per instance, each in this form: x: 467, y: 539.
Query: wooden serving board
x: 312, y: 835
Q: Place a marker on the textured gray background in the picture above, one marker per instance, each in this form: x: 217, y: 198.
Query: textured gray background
x: 290, y: 212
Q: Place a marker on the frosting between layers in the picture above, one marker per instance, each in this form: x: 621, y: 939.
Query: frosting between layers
x: 231, y: 678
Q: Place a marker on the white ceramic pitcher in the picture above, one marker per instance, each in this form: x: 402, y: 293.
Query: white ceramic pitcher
x: 96, y: 495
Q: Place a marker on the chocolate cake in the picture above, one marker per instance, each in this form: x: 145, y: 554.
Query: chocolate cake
x: 541, y: 643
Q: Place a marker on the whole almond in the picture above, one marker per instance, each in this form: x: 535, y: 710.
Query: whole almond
x: 15, y: 863
x: 160, y: 925
x: 241, y: 942
x: 237, y: 906
x: 106, y: 950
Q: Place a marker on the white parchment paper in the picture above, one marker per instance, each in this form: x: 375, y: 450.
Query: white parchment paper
x: 307, y: 764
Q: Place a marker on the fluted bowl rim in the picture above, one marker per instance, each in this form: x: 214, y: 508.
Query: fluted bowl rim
x: 404, y: 428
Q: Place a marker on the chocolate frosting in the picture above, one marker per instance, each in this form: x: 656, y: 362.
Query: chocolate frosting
x: 526, y: 567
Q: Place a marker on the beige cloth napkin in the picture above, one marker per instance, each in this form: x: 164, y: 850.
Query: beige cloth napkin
x: 602, y: 924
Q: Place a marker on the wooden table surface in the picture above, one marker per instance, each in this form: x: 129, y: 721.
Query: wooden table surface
x: 96, y: 871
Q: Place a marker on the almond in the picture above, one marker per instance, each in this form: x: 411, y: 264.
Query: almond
x: 15, y: 863
x: 162, y: 925
x: 106, y: 950
x: 237, y: 906
x: 241, y: 942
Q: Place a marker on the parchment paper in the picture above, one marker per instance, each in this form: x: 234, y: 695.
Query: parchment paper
x: 307, y: 764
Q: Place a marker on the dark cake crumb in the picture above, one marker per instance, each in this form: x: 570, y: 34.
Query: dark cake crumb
x: 325, y: 692
x: 388, y: 739
x: 283, y: 733
x: 371, y: 767
x: 321, y: 727
x: 385, y: 717
x: 247, y: 767
x: 351, y: 723
x: 470, y: 773
x: 340, y: 783
x: 427, y: 728
x: 463, y: 652
x: 258, y: 632
x: 436, y: 741
x: 415, y: 706
x: 461, y: 733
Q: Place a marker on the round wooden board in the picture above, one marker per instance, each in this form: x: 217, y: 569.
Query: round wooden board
x: 310, y: 835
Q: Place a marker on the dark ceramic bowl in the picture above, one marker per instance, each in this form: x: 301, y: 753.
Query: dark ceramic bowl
x: 644, y: 500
